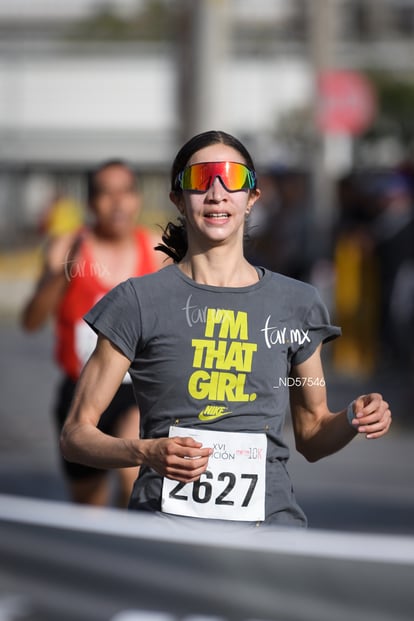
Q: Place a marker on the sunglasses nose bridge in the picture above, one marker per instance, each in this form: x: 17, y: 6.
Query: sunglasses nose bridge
x: 216, y: 185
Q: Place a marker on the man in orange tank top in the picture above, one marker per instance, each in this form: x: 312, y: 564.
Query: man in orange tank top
x: 79, y: 269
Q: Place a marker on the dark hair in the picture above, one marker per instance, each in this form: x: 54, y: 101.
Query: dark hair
x: 175, y: 235
x: 91, y: 181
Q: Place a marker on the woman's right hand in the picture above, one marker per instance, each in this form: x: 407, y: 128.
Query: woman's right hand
x: 179, y: 458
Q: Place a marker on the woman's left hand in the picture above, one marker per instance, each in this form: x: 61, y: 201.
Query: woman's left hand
x: 372, y: 415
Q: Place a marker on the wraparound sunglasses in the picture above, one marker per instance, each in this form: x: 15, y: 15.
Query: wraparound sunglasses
x: 233, y: 175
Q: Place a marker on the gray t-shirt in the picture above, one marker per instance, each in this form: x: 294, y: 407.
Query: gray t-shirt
x: 216, y: 357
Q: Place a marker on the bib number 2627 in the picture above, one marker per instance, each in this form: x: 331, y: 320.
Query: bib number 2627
x: 233, y: 486
x: 202, y: 491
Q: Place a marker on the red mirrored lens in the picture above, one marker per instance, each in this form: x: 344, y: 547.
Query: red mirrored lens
x: 233, y: 175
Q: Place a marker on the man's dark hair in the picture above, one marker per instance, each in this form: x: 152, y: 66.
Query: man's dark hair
x: 92, y: 186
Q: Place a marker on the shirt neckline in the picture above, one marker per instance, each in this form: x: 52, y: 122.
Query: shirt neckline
x: 264, y: 276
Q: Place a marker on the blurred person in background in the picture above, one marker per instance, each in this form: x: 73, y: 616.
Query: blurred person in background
x: 374, y: 266
x: 278, y: 230
x: 80, y: 267
x: 218, y: 350
x: 356, y: 283
x: 392, y: 232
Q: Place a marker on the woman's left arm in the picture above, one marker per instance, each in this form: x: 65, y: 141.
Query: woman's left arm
x: 319, y: 432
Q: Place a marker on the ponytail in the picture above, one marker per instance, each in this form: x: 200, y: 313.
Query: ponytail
x: 175, y: 241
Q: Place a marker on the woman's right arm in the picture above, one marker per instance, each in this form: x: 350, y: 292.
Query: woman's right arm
x: 52, y: 283
x: 83, y: 442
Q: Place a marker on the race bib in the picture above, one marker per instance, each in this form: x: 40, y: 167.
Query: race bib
x: 233, y: 486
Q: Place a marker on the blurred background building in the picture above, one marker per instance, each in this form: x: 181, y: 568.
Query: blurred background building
x: 321, y: 92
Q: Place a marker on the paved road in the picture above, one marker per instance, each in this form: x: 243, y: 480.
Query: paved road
x: 369, y: 486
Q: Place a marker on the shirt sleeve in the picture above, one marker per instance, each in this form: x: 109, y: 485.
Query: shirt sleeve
x: 117, y: 317
x: 317, y: 328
